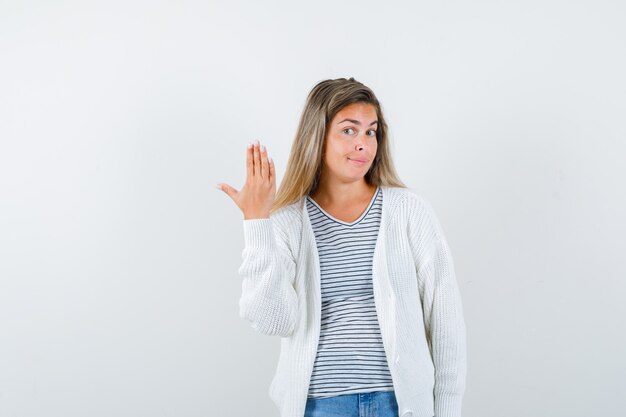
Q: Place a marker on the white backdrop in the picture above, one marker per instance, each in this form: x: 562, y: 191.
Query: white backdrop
x: 118, y: 257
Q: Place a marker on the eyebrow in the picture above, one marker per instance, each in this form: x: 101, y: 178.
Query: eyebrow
x: 356, y: 122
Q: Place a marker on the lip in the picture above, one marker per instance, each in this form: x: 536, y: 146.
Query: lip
x: 358, y: 161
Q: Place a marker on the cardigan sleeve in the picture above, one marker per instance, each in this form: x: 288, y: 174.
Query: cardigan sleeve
x: 442, y: 308
x: 268, y: 299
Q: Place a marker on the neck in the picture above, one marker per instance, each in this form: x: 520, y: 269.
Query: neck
x: 340, y: 193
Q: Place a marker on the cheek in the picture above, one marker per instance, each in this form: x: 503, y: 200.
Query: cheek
x: 374, y: 147
x: 335, y: 149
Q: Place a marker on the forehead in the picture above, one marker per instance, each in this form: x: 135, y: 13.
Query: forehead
x: 364, y: 111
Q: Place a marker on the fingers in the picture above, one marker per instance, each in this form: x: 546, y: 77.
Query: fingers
x: 272, y: 170
x: 250, y: 161
x: 257, y: 159
x: 264, y: 164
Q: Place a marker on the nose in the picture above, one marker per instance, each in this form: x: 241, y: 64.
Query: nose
x: 361, y: 142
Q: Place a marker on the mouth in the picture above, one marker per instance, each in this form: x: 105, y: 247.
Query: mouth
x: 358, y: 161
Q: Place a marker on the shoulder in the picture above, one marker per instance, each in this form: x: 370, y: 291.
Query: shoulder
x: 406, y: 199
x: 413, y: 206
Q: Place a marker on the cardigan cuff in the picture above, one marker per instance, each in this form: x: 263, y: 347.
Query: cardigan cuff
x: 258, y: 233
x: 448, y: 405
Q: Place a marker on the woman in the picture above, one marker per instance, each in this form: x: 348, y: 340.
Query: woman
x: 351, y: 269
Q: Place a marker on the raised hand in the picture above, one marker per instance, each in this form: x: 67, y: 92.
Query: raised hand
x: 257, y: 195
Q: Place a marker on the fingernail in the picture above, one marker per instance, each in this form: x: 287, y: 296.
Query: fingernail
x: 262, y: 148
x: 218, y: 186
x: 256, y: 142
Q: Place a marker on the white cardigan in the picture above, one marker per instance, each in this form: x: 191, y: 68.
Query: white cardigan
x: 417, y: 300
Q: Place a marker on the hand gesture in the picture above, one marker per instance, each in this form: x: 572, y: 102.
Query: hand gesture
x: 257, y: 195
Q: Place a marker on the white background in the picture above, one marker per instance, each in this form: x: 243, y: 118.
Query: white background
x: 118, y: 257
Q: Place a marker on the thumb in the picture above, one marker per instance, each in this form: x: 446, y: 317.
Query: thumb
x: 227, y: 189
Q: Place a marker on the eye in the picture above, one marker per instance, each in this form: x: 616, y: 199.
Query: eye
x: 373, y: 132
x: 349, y: 128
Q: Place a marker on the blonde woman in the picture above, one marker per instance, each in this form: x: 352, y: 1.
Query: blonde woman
x: 351, y: 269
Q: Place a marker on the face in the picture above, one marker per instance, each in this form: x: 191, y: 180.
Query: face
x: 351, y: 144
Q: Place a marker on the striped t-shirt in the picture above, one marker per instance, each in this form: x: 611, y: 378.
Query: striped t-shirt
x: 350, y: 354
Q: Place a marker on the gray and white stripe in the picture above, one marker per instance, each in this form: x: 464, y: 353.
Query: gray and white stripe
x: 350, y: 357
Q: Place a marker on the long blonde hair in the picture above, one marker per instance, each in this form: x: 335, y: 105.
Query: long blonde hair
x: 304, y: 165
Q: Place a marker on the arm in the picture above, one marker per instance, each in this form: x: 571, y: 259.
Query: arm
x: 268, y: 300
x: 443, y: 310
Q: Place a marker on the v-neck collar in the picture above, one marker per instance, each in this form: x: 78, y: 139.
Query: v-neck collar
x: 367, y: 209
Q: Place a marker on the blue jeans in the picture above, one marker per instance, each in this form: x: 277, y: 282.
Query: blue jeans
x: 366, y: 404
